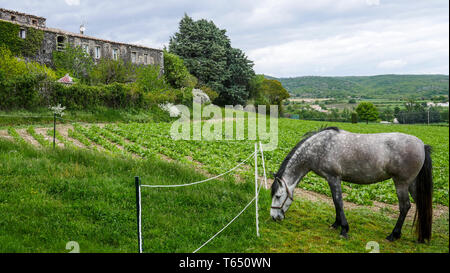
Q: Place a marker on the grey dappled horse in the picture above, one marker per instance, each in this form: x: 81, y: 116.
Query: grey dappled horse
x: 338, y: 155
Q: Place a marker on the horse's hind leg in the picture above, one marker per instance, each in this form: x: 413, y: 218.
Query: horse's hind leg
x: 336, y: 192
x: 404, y: 205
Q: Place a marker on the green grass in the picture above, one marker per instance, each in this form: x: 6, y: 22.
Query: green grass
x: 50, y: 197
x: 306, y: 230
x: 43, y: 116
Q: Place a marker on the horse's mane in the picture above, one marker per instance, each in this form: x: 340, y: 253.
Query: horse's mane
x: 305, y: 137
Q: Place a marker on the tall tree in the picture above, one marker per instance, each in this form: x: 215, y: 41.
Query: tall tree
x: 208, y: 55
x: 367, y: 111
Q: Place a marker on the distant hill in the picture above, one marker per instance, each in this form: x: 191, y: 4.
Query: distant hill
x: 381, y: 86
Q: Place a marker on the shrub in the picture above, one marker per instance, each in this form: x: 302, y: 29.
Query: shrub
x: 175, y: 72
x: 150, y: 80
x: 210, y: 92
x: 73, y: 60
x: 109, y: 71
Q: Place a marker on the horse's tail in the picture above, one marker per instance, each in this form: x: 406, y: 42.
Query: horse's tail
x: 424, y: 196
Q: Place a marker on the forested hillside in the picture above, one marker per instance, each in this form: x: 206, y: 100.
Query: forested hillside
x: 381, y: 86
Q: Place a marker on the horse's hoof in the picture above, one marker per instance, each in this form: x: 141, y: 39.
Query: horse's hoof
x: 334, y: 226
x: 344, y: 236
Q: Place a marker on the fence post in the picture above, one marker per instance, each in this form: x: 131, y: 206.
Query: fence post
x: 256, y: 188
x: 264, y: 167
x: 137, y: 183
x: 54, y: 129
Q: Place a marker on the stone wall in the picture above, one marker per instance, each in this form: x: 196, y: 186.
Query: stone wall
x: 28, y: 19
x: 56, y: 39
x: 98, y: 48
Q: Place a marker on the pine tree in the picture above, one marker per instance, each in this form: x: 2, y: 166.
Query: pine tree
x: 208, y: 55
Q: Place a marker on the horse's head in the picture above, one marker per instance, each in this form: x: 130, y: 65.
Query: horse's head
x: 282, y: 198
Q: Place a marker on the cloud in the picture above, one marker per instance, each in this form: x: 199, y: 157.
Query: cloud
x: 282, y: 37
x: 72, y: 2
x: 389, y: 64
x: 373, y: 2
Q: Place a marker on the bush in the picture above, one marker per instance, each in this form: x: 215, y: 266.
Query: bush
x: 150, y: 80
x: 73, y: 60
x: 210, y: 92
x: 109, y: 71
x: 20, y: 81
x: 175, y: 72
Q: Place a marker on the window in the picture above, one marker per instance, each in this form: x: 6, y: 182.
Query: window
x: 145, y: 58
x: 13, y: 18
x: 97, y: 52
x: 34, y: 22
x: 133, y: 57
x: 22, y: 33
x: 115, y: 54
x: 60, y: 43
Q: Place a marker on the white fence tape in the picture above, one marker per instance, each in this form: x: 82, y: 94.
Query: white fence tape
x: 257, y: 190
x: 202, y: 181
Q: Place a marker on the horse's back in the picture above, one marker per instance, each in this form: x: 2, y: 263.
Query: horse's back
x: 370, y: 158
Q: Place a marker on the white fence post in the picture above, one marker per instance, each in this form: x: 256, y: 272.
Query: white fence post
x: 264, y: 167
x: 137, y: 183
x: 256, y: 188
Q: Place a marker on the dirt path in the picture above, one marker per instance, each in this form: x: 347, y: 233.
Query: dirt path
x: 64, y: 131
x: 27, y: 137
x: 4, y: 134
x: 43, y: 132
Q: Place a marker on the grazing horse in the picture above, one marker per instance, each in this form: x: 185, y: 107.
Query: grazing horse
x: 338, y: 155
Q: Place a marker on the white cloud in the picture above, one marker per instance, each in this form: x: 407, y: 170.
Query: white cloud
x: 283, y: 37
x: 390, y: 64
x: 373, y: 2
x: 72, y: 2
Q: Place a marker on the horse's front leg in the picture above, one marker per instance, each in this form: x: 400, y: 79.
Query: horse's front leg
x: 336, y: 192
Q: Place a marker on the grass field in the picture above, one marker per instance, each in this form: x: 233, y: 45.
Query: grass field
x: 50, y: 197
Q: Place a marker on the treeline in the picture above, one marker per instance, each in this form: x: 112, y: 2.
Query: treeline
x: 368, y: 87
x: 412, y: 112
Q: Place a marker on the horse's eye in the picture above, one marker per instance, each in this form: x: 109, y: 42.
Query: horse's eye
x: 277, y: 196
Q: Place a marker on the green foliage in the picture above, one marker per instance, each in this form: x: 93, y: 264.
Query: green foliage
x: 150, y: 80
x: 267, y: 92
x: 273, y: 91
x: 354, y: 117
x: 367, y: 111
x: 210, y: 92
x: 28, y: 47
x: 381, y: 86
x: 387, y: 114
x: 73, y: 60
x: 33, y: 42
x: 20, y: 81
x: 208, y: 55
x: 109, y: 71
x: 175, y: 72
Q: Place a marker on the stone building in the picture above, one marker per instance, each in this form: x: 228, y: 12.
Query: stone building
x: 56, y: 39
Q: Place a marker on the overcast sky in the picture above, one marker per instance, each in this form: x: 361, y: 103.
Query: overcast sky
x: 284, y: 38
